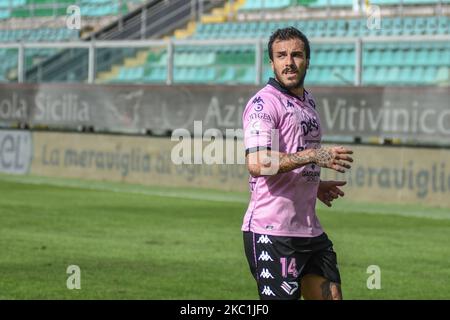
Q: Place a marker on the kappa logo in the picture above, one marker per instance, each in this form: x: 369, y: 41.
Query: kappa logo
x: 259, y: 104
x: 258, y: 99
x: 265, y: 273
x: 267, y: 291
x: 290, y: 104
x: 264, y: 239
x: 289, y: 287
x: 264, y: 256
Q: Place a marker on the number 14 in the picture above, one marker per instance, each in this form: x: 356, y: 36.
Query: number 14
x: 288, y: 268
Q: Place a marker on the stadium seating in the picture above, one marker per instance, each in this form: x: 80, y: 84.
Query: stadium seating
x: 43, y: 34
x: 49, y: 8
x: 251, y: 5
x: 30, y: 9
x: 9, y: 56
x: 331, y: 64
x: 327, y: 27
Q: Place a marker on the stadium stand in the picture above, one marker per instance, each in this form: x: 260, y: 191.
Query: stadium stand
x: 332, y: 64
x: 43, y: 12
x: 52, y: 8
x: 385, y: 62
x: 157, y: 18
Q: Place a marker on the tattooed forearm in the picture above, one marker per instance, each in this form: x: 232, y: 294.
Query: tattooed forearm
x: 267, y: 162
x: 292, y: 161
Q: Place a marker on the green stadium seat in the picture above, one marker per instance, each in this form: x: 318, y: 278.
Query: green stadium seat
x: 5, y: 14
x: 429, y: 75
x: 313, y: 75
x: 226, y: 75
x: 443, y: 74
x: 420, y: 27
x: 268, y: 73
x: 155, y: 74
x: 368, y: 75
x: 443, y: 25
x: 246, y: 75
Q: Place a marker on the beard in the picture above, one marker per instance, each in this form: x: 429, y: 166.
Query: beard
x: 291, y: 84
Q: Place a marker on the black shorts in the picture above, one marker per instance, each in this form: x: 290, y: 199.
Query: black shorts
x: 278, y: 263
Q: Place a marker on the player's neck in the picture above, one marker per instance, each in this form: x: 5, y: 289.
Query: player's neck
x: 298, y: 91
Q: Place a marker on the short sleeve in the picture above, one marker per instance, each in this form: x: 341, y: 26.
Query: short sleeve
x: 260, y: 120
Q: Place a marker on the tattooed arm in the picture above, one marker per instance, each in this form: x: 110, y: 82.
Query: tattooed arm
x: 266, y: 162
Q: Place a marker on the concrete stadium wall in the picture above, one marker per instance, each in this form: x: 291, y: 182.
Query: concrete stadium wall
x: 380, y: 173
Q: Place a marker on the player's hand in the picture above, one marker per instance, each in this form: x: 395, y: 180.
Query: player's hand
x: 336, y: 158
x: 328, y: 191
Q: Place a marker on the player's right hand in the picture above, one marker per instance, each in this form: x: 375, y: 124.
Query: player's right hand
x: 336, y: 158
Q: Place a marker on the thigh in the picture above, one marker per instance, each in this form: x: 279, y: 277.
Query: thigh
x: 321, y: 278
x: 315, y: 287
x: 275, y: 266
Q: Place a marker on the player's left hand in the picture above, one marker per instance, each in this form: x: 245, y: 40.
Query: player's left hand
x: 328, y: 191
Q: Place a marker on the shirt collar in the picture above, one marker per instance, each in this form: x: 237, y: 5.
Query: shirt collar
x: 274, y: 83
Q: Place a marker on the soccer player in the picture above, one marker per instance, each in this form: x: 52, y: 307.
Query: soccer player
x: 288, y: 252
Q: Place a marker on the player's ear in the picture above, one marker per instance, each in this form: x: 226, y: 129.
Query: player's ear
x: 271, y: 64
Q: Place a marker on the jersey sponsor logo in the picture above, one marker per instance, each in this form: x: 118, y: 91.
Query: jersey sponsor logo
x: 289, y: 287
x: 265, y: 273
x: 256, y: 125
x: 259, y: 104
x: 311, y: 176
x: 264, y: 239
x: 267, y: 291
x: 264, y: 256
x: 260, y: 116
x: 309, y: 125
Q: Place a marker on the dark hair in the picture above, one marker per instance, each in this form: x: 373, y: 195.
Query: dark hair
x: 287, y: 34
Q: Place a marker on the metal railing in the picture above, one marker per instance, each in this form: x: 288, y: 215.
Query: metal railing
x: 172, y: 45
x: 143, y: 23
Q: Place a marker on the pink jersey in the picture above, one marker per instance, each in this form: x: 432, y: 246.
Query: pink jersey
x: 283, y: 204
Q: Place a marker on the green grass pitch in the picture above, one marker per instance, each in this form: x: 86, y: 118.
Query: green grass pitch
x: 136, y: 242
